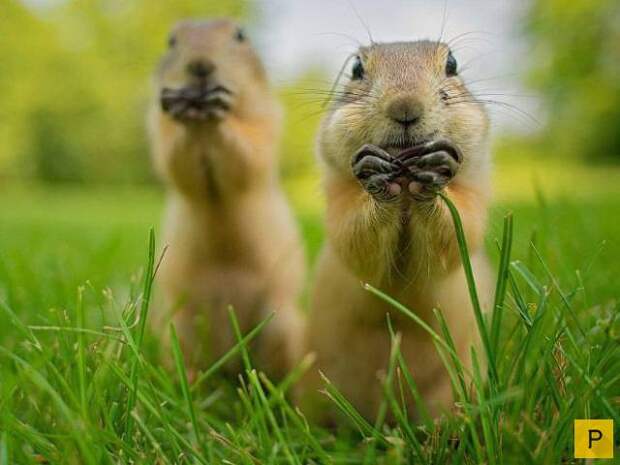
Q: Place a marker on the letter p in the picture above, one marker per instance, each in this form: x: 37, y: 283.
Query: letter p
x: 593, y: 436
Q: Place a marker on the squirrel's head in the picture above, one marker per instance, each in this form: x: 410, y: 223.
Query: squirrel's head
x: 209, y: 69
x: 398, y: 95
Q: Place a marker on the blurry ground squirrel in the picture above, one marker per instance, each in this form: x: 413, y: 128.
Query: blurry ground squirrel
x: 403, y: 128
x: 215, y: 127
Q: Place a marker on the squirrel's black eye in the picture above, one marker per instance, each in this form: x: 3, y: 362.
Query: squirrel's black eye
x: 357, y: 71
x: 172, y: 41
x: 451, y: 65
x: 240, y: 35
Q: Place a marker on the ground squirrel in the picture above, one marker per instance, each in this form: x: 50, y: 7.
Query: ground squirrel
x: 214, y: 127
x: 403, y: 128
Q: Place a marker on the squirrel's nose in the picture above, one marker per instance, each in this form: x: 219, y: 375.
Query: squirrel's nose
x: 200, y: 68
x: 405, y: 110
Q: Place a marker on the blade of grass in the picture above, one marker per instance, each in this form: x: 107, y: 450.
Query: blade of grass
x: 76, y: 429
x: 4, y: 449
x: 256, y: 408
x: 22, y: 433
x: 91, y: 332
x: 235, y: 446
x: 485, y: 414
x: 563, y: 297
x: 245, y: 356
x: 254, y: 411
x: 471, y: 284
x: 21, y: 327
x: 332, y: 392
x: 529, y: 278
x: 519, y: 301
x: 502, y: 279
x: 425, y: 326
x: 187, y: 396
x: 149, y: 435
x: 399, y: 412
x: 231, y: 353
x: 160, y: 414
x: 255, y: 382
x: 455, y: 361
x: 81, y: 361
x: 277, y: 393
x: 422, y: 410
x: 388, y: 386
x: 144, y: 308
x: 611, y: 411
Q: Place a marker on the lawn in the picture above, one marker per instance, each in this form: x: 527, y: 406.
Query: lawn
x: 79, y: 384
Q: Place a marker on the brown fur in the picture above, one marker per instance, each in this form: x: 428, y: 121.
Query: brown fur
x: 405, y: 247
x: 231, y: 236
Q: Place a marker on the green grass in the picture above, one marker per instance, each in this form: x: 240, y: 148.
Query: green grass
x: 81, y: 383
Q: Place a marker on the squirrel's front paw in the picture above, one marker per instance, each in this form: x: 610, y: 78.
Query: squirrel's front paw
x: 217, y: 102
x: 430, y: 172
x: 196, y: 103
x: 377, y: 171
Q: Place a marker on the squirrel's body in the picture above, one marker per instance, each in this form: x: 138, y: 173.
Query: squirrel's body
x: 231, y: 238
x: 388, y: 144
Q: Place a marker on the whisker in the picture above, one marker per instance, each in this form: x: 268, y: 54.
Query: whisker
x: 493, y: 78
x: 454, y: 39
x: 499, y: 103
x: 494, y: 94
x: 357, y: 43
x: 362, y: 22
x: 443, y: 21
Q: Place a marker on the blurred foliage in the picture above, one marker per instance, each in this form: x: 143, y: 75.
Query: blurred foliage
x: 75, y: 80
x: 304, y: 110
x: 576, y: 67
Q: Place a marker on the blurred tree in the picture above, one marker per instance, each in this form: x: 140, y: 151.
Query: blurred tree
x: 576, y: 66
x: 52, y: 154
x: 75, y: 81
x: 304, y: 102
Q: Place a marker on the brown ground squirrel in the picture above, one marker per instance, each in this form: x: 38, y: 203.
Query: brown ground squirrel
x: 403, y: 128
x: 214, y: 127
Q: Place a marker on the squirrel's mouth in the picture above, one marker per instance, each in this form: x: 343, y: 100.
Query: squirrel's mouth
x: 196, y: 102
